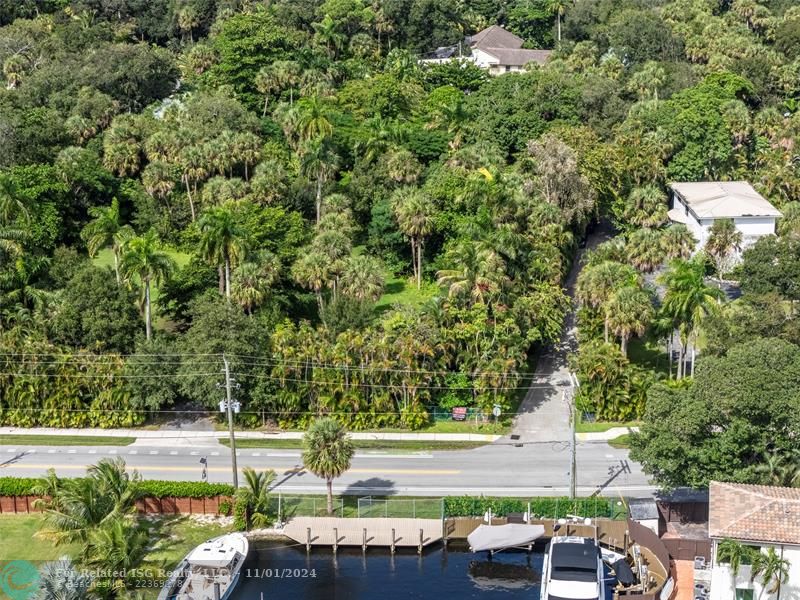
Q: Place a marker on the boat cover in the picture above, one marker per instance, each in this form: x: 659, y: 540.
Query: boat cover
x: 498, y: 537
x: 623, y: 572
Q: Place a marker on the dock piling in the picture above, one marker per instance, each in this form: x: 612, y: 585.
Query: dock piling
x: 394, y: 539
x: 421, y: 540
x: 335, y: 539
x: 364, y: 542
x: 308, y: 539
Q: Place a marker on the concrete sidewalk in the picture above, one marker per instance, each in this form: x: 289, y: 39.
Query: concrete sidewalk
x: 601, y: 436
x: 179, y: 436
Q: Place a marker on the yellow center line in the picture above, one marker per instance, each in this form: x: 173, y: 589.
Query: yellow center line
x: 188, y: 469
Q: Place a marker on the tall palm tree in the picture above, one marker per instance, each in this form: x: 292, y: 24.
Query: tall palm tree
x: 724, y: 240
x: 267, y: 82
x: 734, y: 554
x: 648, y: 80
x: 629, y: 312
x: 222, y: 240
x: 287, y: 74
x: 318, y: 162
x: 312, y: 270
x: 415, y: 214
x: 557, y: 8
x: 453, y: 117
x: 255, y: 496
x: 363, y: 278
x: 780, y: 469
x: 252, y: 279
x: 106, y: 229
x: 597, y: 283
x: 773, y: 570
x: 327, y: 34
x: 688, y: 301
x: 144, y: 259
x: 247, y: 150
x: 309, y: 120
x: 327, y: 452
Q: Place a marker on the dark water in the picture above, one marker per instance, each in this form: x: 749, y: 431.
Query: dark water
x: 288, y: 573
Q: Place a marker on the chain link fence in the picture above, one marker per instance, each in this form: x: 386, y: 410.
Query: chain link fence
x: 414, y: 508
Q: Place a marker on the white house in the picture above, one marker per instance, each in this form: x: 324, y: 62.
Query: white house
x: 495, y: 49
x: 760, y: 516
x: 699, y: 204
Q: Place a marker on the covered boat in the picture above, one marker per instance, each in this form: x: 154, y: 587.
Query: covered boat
x: 501, y: 537
x: 210, y: 571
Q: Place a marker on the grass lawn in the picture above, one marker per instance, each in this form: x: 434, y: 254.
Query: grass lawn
x: 621, y: 441
x: 601, y: 426
x: 64, y: 440
x: 402, y: 290
x: 361, y: 444
x: 20, y: 542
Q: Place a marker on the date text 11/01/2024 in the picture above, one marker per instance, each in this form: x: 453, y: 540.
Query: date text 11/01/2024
x: 279, y: 573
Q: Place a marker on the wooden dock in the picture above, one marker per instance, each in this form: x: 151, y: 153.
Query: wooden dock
x: 366, y: 533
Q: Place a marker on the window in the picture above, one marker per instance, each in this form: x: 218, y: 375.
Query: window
x: 744, y: 594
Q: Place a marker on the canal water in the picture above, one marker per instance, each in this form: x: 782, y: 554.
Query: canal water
x: 285, y: 571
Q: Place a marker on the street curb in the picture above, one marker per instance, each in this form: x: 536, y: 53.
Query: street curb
x: 600, y: 436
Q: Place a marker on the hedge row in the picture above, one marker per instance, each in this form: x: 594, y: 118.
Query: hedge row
x: 23, y: 486
x: 471, y: 506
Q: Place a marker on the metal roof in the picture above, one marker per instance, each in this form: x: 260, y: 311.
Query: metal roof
x: 724, y: 199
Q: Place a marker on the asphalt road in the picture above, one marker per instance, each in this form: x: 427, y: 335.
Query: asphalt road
x: 497, y: 469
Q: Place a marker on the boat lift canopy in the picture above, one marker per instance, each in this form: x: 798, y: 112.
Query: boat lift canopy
x: 502, y: 537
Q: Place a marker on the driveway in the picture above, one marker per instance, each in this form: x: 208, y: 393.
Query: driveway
x: 543, y: 415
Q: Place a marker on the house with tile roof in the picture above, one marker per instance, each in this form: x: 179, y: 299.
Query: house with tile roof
x: 699, y: 204
x: 495, y: 49
x: 759, y: 516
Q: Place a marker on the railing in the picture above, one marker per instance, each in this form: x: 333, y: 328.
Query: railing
x: 415, y: 508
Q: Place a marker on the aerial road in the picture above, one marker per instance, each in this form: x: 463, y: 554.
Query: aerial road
x: 497, y: 469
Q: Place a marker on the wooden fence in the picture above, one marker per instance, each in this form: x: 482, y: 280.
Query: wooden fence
x: 148, y: 506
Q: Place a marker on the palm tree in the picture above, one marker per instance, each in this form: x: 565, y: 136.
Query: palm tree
x: 60, y: 580
x: 312, y: 270
x: 415, y: 214
x: 557, y: 8
x: 144, y: 259
x: 318, y: 162
x: 734, y: 554
x: 327, y: 452
x: 477, y: 271
x: 724, y: 240
x: 222, y: 240
x: 267, y: 82
x: 688, y: 301
x: 646, y: 207
x: 194, y: 164
x: 645, y: 249
x: 247, y: 150
x: 780, y: 469
x: 677, y: 242
x: 10, y: 203
x: 648, y: 80
x: 253, y: 278
x: 255, y: 496
x: 363, y: 278
x: 287, y: 75
x: 106, y: 229
x: 309, y: 120
x: 773, y: 569
x: 116, y: 547
x: 629, y: 311
x: 597, y: 283
x: 453, y: 117
x: 328, y: 36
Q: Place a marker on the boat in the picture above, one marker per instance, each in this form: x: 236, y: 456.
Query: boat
x: 210, y: 571
x: 495, y: 538
x: 573, y: 570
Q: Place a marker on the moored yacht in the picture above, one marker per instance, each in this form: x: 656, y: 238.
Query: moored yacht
x: 573, y: 570
x: 210, y: 571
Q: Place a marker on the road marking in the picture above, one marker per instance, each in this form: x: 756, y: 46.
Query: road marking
x: 256, y: 454
x: 194, y: 453
x: 12, y: 450
x: 92, y: 451
x: 283, y: 469
x: 51, y: 451
x: 112, y: 451
x: 215, y: 454
x: 153, y: 451
x: 133, y: 452
x: 72, y: 451
x: 173, y: 452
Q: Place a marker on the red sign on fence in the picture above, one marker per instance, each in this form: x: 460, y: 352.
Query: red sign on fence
x: 460, y: 413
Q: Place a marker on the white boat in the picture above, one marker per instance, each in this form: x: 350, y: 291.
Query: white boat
x: 210, y: 571
x: 573, y: 570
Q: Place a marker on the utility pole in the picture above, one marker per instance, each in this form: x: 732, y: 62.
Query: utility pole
x: 229, y: 406
x: 569, y: 396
